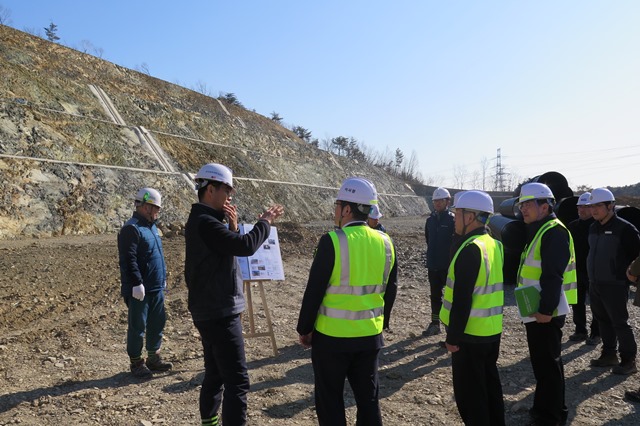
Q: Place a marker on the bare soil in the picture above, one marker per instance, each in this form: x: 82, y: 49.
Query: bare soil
x: 63, y: 359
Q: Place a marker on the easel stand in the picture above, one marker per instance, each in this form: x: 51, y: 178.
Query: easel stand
x: 252, y: 326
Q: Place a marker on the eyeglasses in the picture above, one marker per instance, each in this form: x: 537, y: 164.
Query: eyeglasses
x: 526, y: 204
x: 337, y: 203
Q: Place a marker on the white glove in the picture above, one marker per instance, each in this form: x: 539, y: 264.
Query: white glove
x: 138, y: 292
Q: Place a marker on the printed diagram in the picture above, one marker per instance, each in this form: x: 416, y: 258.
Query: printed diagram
x: 266, y: 263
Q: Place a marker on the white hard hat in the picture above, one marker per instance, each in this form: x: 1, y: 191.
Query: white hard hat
x: 358, y: 190
x: 214, y: 172
x: 440, y: 194
x: 375, y: 212
x: 148, y: 195
x: 600, y: 195
x: 456, y: 197
x: 583, y: 200
x: 478, y: 201
x: 535, y: 191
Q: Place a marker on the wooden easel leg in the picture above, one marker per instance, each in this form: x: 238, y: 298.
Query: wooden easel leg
x: 268, y: 316
x: 247, y: 292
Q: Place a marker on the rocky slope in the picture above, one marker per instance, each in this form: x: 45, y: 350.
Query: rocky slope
x: 67, y: 167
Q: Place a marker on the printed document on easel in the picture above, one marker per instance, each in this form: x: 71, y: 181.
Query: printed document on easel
x: 266, y: 263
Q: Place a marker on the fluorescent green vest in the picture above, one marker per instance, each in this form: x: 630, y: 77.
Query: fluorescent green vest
x: 485, y: 318
x: 531, y: 264
x: 353, y: 305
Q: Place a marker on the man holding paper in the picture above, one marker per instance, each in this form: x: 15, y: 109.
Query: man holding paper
x: 547, y: 263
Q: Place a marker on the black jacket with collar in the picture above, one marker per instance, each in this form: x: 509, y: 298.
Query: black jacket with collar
x: 211, y: 270
x: 612, y: 247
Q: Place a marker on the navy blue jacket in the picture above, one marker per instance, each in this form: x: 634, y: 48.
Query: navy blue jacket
x: 438, y: 232
x: 612, y: 247
x: 211, y: 270
x: 141, y: 256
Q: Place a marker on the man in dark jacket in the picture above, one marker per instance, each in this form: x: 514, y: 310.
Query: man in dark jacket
x: 579, y: 229
x: 346, y: 305
x: 438, y: 233
x: 215, y: 288
x: 548, y: 263
x: 472, y: 310
x: 143, y: 276
x: 613, y: 244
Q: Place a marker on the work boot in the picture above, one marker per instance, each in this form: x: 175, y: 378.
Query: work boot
x: 605, y: 360
x: 156, y: 363
x: 432, y: 330
x: 140, y: 370
x: 594, y: 340
x: 625, y: 367
x: 578, y: 337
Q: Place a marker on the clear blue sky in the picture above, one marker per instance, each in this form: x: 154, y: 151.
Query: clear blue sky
x: 554, y: 84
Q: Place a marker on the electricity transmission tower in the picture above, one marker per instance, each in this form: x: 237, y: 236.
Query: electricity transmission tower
x: 500, y: 173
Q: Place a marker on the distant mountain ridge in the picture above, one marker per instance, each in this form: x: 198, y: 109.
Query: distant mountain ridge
x: 627, y: 190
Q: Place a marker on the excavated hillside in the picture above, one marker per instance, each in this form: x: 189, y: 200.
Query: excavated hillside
x: 79, y: 135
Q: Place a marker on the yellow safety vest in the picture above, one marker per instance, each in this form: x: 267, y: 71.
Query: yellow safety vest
x: 485, y: 318
x: 531, y: 264
x: 353, y: 305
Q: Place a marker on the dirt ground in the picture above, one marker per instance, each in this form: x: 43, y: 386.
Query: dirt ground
x: 63, y: 359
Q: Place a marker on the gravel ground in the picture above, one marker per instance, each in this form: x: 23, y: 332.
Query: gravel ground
x: 63, y: 361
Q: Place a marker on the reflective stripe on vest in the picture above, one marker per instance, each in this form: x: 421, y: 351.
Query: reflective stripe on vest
x: 487, y: 300
x: 530, y: 269
x: 353, y: 304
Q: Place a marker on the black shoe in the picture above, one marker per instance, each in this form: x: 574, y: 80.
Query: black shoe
x: 156, y: 363
x: 633, y: 396
x: 625, y: 368
x: 578, y: 337
x: 432, y: 330
x: 538, y: 420
x: 608, y: 360
x: 594, y: 340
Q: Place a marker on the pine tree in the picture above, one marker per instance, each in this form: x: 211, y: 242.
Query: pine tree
x: 51, y: 32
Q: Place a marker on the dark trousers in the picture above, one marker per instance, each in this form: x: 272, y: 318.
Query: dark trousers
x: 225, y: 370
x: 476, y: 384
x: 580, y: 311
x: 609, y: 306
x: 544, y: 342
x: 437, y: 281
x: 330, y: 370
x: 145, y: 317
